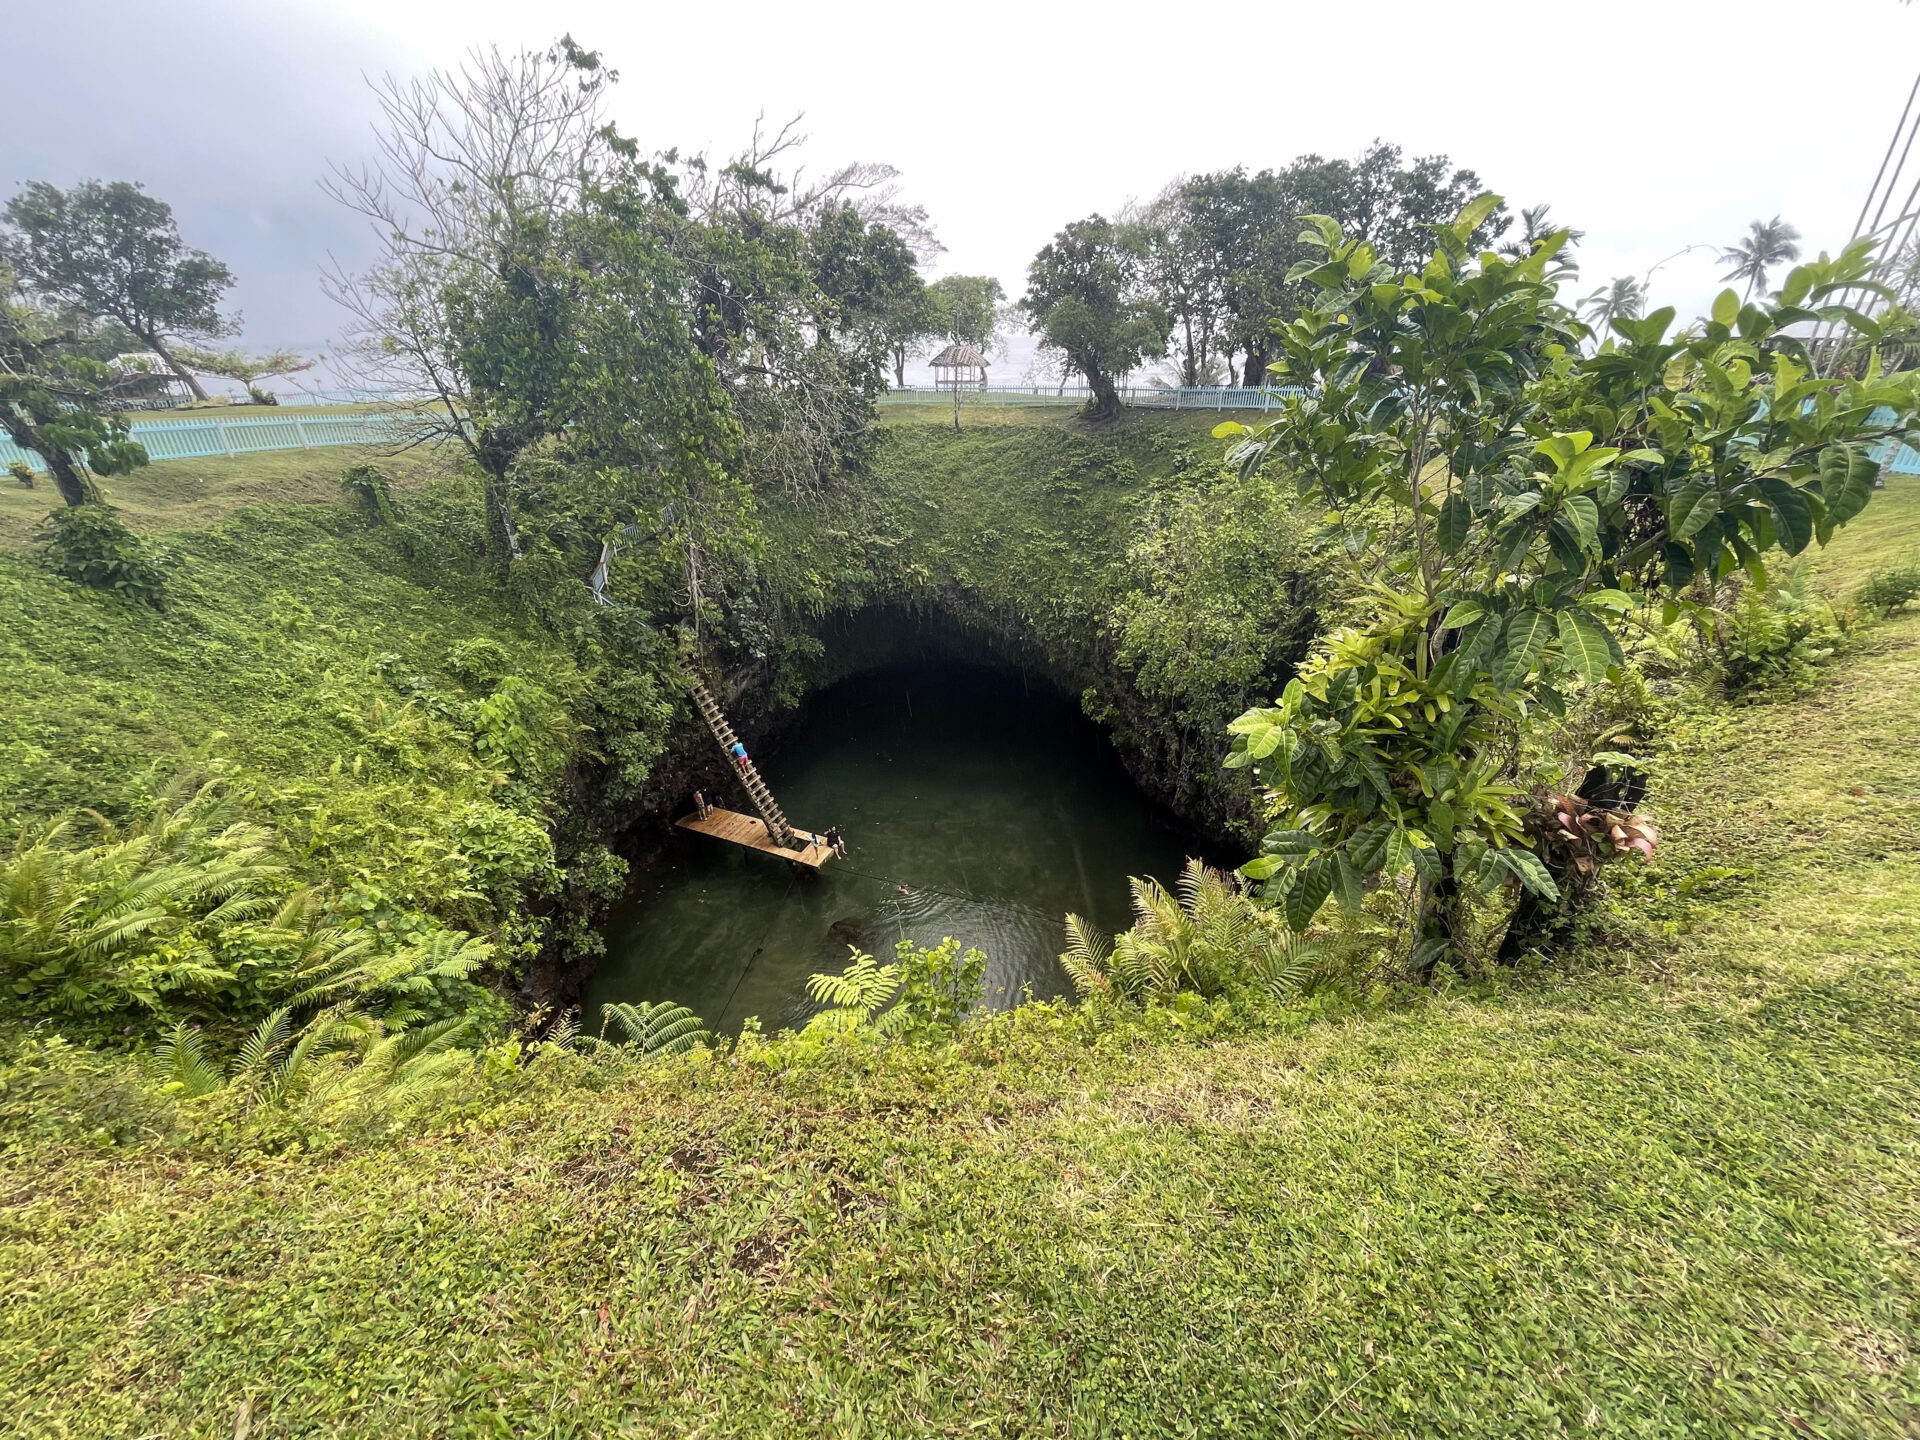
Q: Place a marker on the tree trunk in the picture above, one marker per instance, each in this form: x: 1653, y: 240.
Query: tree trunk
x: 192, y: 381
x: 496, y: 453
x: 1106, y: 399
x: 900, y: 367
x: 74, y: 482
x: 1442, y: 919
x: 1254, y: 374
x: 1535, y: 924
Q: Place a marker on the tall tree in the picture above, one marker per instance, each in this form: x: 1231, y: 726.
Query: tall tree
x: 1622, y: 298
x: 113, y: 252
x: 1766, y: 244
x: 1249, y: 226
x: 1087, y: 297
x: 969, y: 308
x: 868, y: 290
x: 1536, y: 230
x: 1183, y: 278
x: 52, y: 396
x: 479, y: 172
x: 1242, y: 226
x: 773, y: 277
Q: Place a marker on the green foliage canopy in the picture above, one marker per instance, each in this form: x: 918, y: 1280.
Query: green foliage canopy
x: 1086, y: 297
x: 1528, y: 497
x: 53, y: 400
x: 112, y: 251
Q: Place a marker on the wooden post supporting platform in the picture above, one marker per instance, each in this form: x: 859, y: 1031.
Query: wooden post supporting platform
x: 752, y: 832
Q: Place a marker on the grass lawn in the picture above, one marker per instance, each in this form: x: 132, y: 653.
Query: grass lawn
x: 194, y: 494
x: 1672, y: 1189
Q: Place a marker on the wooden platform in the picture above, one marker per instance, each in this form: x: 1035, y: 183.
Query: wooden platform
x: 751, y: 831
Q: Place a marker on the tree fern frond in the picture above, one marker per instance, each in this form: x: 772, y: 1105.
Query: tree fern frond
x: 863, y: 986
x: 656, y: 1028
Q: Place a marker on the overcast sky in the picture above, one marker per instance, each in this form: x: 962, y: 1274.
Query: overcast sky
x: 1652, y: 126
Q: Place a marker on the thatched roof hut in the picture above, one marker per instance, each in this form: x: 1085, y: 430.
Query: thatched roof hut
x: 960, y: 356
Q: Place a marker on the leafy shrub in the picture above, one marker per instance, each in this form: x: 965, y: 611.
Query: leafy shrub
x: 1212, y: 937
x: 1774, y: 638
x: 508, y: 855
x: 522, y: 729
x: 89, y: 545
x: 22, y: 476
x: 1886, y: 591
x: 921, y: 995
x: 53, y: 1089
x: 938, y: 987
x: 480, y: 662
x: 371, y: 489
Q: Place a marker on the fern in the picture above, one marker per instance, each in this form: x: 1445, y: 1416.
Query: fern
x: 854, y: 996
x: 1195, y: 940
x: 1286, y: 962
x: 1087, y: 958
x: 119, y: 925
x: 180, y: 1064
x: 263, y: 1046
x: 656, y: 1029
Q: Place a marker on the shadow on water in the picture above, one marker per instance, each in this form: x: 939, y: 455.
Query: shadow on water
x: 996, y: 803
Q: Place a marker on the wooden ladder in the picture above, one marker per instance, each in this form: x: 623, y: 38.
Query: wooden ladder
x: 777, y: 824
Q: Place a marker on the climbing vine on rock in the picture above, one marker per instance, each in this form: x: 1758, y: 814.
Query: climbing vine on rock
x: 1511, y: 502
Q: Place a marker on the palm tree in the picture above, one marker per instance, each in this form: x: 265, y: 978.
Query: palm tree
x: 1766, y: 244
x: 1624, y: 299
x: 1534, y: 229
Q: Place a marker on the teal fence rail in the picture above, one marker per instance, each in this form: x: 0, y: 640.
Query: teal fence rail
x: 218, y: 435
x: 1150, y: 397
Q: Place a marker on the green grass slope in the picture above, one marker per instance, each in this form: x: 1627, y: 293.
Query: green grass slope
x: 1670, y: 1193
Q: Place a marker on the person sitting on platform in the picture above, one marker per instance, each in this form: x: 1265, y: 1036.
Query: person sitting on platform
x: 835, y: 843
